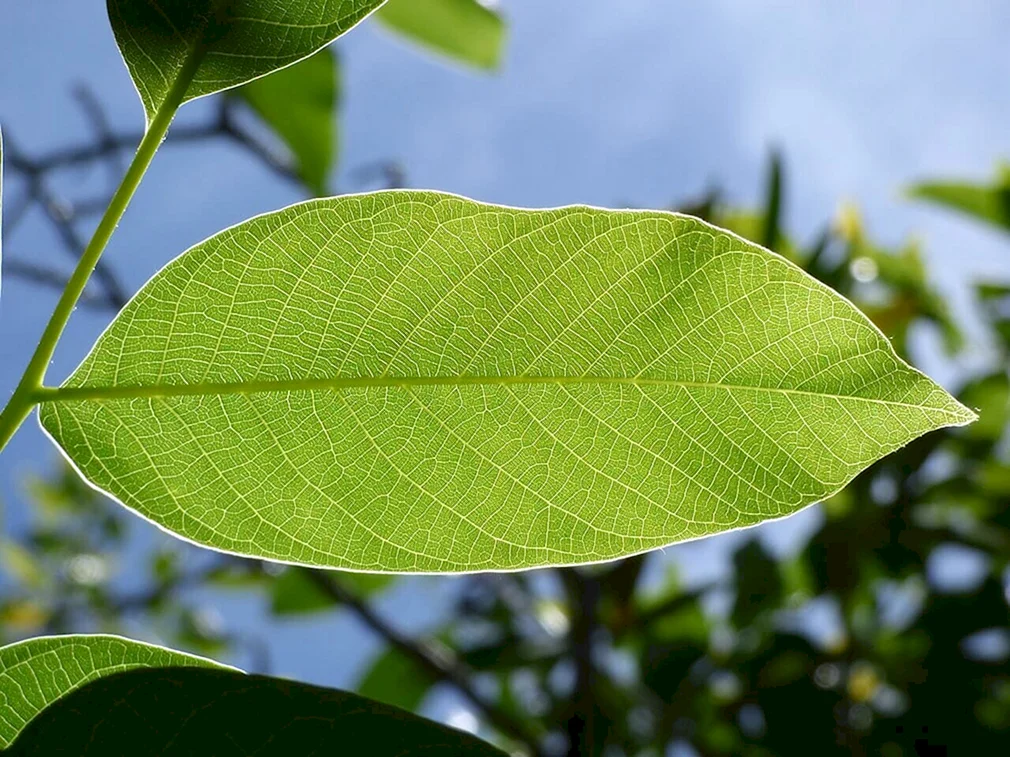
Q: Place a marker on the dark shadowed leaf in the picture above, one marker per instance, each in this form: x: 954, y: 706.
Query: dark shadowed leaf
x: 38, y: 672
x: 759, y: 583
x: 192, y: 711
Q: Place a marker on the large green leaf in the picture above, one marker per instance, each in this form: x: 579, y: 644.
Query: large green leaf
x: 464, y: 30
x: 413, y: 381
x: 985, y: 202
x: 38, y: 672
x: 230, y: 41
x: 300, y: 104
x: 139, y: 710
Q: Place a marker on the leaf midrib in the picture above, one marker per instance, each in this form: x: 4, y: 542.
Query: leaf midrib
x: 54, y: 395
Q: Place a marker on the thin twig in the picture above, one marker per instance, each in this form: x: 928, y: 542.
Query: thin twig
x: 61, y: 217
x: 438, y: 663
x: 95, y: 115
x: 69, y: 157
x: 228, y: 127
x: 584, y: 589
x: 50, y: 278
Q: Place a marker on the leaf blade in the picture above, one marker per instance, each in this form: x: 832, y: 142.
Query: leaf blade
x: 422, y: 383
x: 236, y: 41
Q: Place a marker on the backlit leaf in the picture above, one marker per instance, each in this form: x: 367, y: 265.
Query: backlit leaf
x: 464, y: 30
x: 37, y: 672
x: 299, y: 103
x: 413, y: 381
x: 235, y: 41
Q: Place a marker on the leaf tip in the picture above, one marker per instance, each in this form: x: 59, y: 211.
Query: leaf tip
x: 955, y: 413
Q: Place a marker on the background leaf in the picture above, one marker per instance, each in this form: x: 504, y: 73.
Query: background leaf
x: 299, y: 103
x: 464, y: 30
x: 240, y: 40
x: 759, y: 588
x: 295, y: 592
x: 38, y: 672
x: 413, y: 381
x: 187, y: 711
x: 395, y: 679
x: 987, y: 202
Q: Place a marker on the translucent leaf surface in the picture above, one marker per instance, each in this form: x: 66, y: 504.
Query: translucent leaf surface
x: 464, y: 30
x: 233, y: 41
x: 37, y: 672
x: 412, y: 381
x: 299, y: 104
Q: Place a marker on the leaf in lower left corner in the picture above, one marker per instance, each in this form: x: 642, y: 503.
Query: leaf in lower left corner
x: 188, y: 711
x: 38, y: 672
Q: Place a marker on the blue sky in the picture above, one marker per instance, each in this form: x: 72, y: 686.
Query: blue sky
x: 600, y: 101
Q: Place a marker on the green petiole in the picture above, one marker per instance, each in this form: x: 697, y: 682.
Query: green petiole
x: 26, y: 395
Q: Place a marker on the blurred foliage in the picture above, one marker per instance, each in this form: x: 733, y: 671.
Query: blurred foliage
x: 884, y: 631
x: 985, y: 202
x: 300, y: 105
x: 465, y: 31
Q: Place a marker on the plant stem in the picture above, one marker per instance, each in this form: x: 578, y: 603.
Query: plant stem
x: 23, y: 399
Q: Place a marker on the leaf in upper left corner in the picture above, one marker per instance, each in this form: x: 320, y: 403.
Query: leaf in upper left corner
x: 986, y: 202
x: 299, y: 104
x: 238, y: 40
